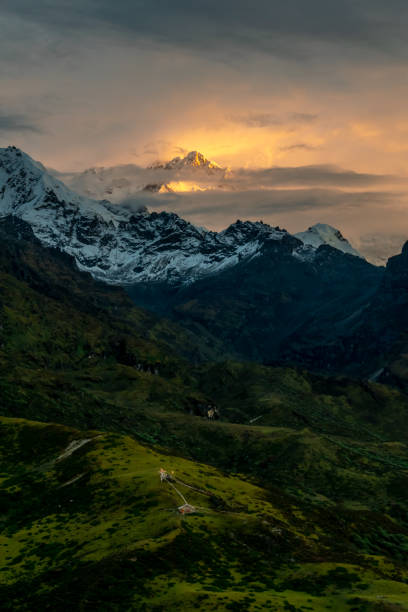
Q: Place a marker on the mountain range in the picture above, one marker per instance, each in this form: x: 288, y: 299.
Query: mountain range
x: 127, y: 245
x: 178, y: 183
x: 252, y: 290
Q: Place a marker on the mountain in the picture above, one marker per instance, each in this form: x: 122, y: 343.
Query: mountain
x: 298, y: 489
x: 44, y: 287
x: 116, y: 244
x: 259, y: 291
x: 320, y: 234
x: 84, y: 335
x: 127, y: 245
x: 287, y: 301
x: 382, y: 330
x: 195, y: 160
x: 373, y: 342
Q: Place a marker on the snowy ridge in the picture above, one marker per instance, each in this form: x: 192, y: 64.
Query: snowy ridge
x: 320, y: 234
x: 120, y: 245
x: 194, y: 159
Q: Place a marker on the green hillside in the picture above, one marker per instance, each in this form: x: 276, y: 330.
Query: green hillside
x: 87, y: 524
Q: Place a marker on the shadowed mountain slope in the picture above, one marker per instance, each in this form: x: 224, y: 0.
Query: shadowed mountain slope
x: 274, y: 304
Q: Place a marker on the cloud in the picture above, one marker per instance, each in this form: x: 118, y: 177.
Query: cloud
x: 262, y: 120
x: 298, y: 146
x: 256, y: 120
x: 312, y: 176
x: 291, y: 29
x: 10, y: 122
x: 131, y: 179
x: 159, y: 149
x: 266, y: 204
x: 248, y: 83
x: 303, y: 117
x: 128, y: 181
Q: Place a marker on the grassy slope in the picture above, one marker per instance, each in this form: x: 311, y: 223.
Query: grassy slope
x: 97, y: 530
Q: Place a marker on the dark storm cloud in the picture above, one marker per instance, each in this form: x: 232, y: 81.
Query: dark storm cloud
x: 271, y: 26
x: 11, y: 122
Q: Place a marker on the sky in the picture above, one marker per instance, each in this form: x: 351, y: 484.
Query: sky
x: 253, y: 85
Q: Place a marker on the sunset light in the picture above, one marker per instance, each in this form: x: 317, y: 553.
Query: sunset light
x: 204, y: 267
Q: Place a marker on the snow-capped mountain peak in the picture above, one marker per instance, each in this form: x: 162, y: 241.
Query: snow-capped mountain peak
x: 26, y: 189
x: 250, y: 230
x: 321, y: 234
x: 194, y: 159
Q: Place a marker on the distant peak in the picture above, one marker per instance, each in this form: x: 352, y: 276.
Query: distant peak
x: 317, y: 227
x: 247, y: 223
x: 322, y: 233
x: 247, y: 228
x: 193, y: 159
x: 197, y: 159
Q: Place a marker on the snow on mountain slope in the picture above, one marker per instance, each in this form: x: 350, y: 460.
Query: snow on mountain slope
x: 116, y: 244
x: 194, y: 159
x: 321, y: 233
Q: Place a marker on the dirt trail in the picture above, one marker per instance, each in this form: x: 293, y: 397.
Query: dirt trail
x: 72, y: 447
